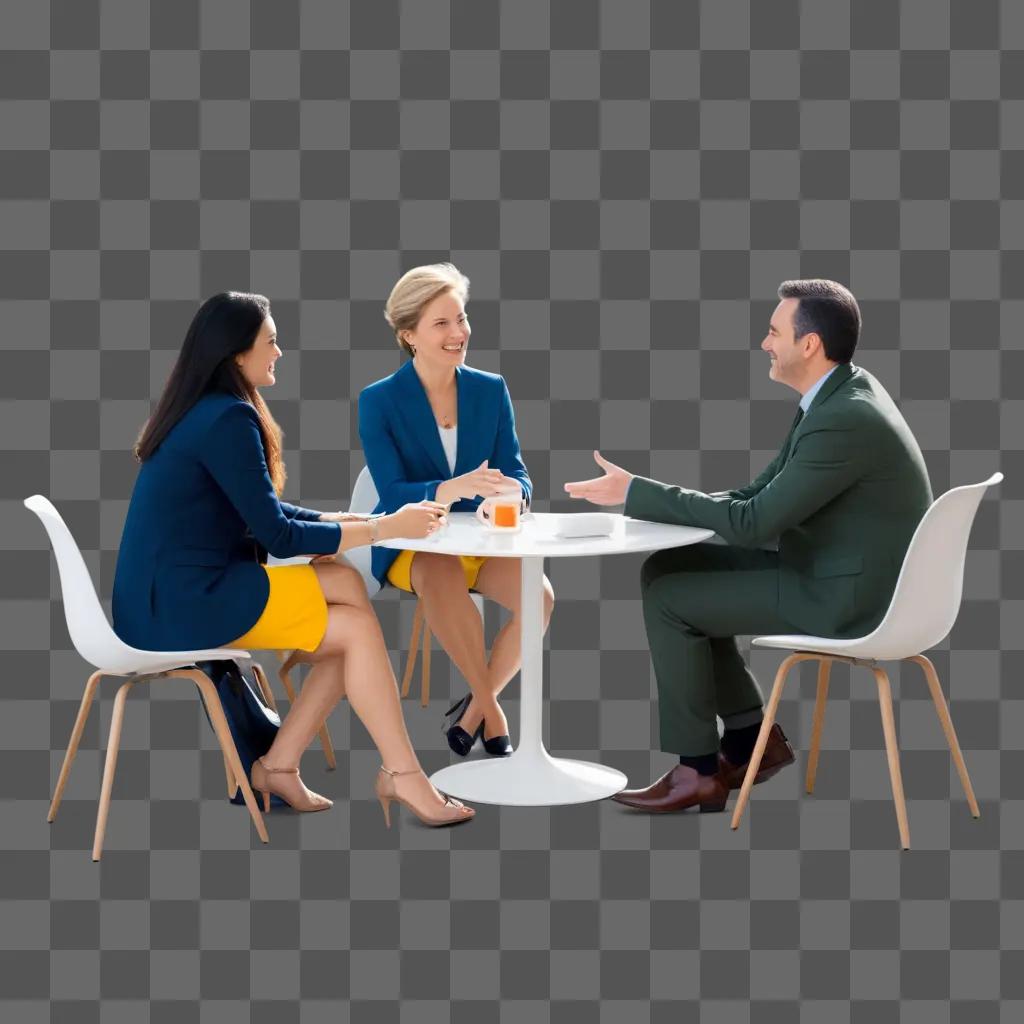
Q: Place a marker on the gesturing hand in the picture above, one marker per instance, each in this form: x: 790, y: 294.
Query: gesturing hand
x: 609, y: 489
x: 481, y: 481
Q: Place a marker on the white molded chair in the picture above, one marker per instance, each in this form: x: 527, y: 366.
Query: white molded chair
x: 921, y: 614
x: 98, y: 644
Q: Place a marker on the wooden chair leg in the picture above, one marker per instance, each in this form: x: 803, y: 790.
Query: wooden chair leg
x: 942, y: 710
x: 76, y: 738
x: 425, y: 668
x: 766, y: 727
x: 824, y: 667
x: 230, y: 776
x: 325, y: 737
x: 227, y: 744
x: 113, y: 744
x: 892, y: 751
x: 261, y: 678
x: 414, y: 642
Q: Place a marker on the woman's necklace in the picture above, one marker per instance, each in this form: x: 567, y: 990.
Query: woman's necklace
x: 449, y: 399
x: 445, y: 419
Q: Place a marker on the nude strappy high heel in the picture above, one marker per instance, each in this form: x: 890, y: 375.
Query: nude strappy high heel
x: 450, y: 814
x: 261, y: 776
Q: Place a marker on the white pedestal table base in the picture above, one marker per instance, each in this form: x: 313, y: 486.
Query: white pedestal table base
x: 530, y: 777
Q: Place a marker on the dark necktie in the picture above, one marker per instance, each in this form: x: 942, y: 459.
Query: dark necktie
x: 789, y: 437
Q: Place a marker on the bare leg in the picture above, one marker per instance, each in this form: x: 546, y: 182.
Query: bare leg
x: 353, y: 658
x: 440, y: 583
x: 500, y: 580
x: 344, y: 591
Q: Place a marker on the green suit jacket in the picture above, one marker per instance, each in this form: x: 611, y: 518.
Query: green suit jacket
x: 842, y: 498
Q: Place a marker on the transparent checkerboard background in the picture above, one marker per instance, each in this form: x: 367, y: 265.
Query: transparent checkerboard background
x: 625, y: 183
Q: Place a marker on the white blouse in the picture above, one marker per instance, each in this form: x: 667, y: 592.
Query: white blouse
x: 450, y: 443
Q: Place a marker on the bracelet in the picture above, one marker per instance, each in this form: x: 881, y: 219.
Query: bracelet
x: 374, y: 530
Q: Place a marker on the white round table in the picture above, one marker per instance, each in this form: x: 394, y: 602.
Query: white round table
x: 531, y: 777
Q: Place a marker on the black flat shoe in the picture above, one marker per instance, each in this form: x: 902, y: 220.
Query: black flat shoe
x: 460, y: 741
x: 498, y: 746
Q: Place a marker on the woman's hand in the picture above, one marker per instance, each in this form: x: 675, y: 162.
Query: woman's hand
x: 482, y: 481
x: 415, y: 521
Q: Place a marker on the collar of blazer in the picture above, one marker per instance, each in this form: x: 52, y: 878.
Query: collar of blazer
x: 839, y: 376
x: 414, y: 407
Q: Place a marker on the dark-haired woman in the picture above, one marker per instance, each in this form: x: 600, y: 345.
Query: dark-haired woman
x: 205, y: 511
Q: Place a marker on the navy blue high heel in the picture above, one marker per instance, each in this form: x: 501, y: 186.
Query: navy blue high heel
x: 460, y: 741
x: 498, y: 746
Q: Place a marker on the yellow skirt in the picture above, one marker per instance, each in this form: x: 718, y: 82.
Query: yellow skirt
x: 295, y: 615
x: 400, y: 573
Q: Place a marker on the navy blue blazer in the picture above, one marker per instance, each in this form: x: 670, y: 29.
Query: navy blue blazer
x: 403, y: 448
x: 202, y: 518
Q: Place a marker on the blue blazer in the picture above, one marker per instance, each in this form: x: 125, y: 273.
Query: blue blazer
x: 403, y: 448
x: 202, y: 518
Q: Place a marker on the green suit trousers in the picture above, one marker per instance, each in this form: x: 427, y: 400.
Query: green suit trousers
x: 696, y: 600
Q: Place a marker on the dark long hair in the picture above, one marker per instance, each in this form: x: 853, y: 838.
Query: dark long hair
x: 224, y: 326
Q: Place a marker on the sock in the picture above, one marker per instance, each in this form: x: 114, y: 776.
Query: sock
x: 705, y: 764
x: 738, y: 744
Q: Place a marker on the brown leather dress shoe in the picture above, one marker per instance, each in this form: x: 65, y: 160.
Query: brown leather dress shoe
x: 777, y: 754
x: 676, y: 790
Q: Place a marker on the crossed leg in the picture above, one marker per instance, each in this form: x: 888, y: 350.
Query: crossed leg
x: 352, y: 659
x: 440, y: 583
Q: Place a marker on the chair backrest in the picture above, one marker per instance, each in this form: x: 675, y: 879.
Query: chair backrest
x: 926, y: 600
x: 364, y: 494
x: 364, y: 499
x: 91, y: 633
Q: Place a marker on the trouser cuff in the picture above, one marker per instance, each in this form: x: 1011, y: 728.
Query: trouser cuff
x: 743, y: 719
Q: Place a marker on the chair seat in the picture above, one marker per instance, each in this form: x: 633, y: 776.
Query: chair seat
x: 143, y: 662
x: 859, y: 647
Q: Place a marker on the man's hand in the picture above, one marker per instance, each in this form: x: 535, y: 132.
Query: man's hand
x: 609, y: 489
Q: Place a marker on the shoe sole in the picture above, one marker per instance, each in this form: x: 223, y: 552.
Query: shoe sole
x: 705, y: 808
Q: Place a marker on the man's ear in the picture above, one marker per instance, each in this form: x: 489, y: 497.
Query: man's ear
x: 812, y: 344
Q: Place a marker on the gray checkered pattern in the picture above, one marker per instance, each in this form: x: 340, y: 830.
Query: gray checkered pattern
x: 625, y: 182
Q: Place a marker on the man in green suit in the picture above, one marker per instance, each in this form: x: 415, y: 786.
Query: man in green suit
x: 842, y: 499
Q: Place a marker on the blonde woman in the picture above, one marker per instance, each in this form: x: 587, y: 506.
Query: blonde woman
x: 437, y: 430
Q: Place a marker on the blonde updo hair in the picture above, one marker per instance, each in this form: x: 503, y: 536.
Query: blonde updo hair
x: 415, y: 290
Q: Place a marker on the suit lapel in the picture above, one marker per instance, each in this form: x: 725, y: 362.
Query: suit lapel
x: 839, y: 376
x: 466, y: 403
x: 414, y: 408
x: 787, y: 445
